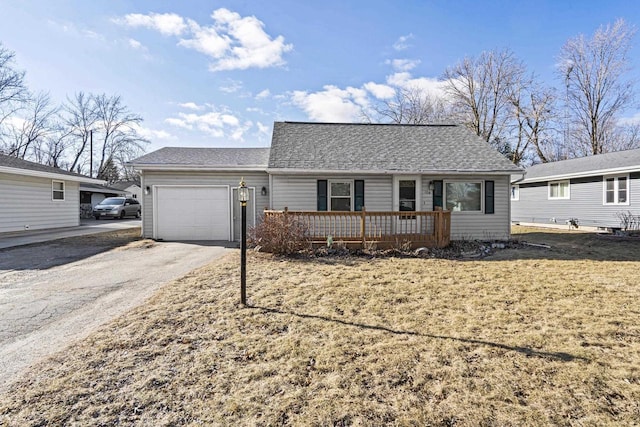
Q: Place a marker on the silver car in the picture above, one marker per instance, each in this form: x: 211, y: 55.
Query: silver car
x: 117, y: 207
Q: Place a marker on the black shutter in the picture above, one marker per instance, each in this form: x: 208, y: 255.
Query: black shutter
x: 437, y: 195
x: 322, y: 195
x: 359, y: 194
x: 488, y: 197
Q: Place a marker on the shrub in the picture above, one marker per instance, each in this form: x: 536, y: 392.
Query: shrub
x: 629, y: 221
x: 280, y: 235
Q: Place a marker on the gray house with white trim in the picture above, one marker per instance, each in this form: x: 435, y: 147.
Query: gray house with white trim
x: 190, y: 193
x: 36, y: 196
x: 593, y: 190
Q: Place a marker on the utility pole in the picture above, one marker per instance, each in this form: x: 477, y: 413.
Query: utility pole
x: 91, y: 153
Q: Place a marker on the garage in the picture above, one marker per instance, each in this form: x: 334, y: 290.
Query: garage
x: 192, y: 213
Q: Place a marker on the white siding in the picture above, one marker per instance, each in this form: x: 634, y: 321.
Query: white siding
x: 232, y: 179
x: 27, y: 202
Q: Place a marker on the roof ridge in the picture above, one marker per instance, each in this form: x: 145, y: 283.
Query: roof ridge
x: 371, y: 124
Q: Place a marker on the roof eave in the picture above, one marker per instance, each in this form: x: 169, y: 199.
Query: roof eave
x: 609, y: 171
x: 52, y: 175
x: 207, y: 168
x: 297, y: 171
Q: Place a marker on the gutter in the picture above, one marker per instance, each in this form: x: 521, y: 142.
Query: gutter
x: 52, y: 175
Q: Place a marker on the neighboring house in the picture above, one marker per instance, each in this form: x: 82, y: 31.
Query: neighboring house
x: 594, y: 190
x: 92, y: 194
x: 130, y: 188
x: 191, y: 193
x: 36, y: 196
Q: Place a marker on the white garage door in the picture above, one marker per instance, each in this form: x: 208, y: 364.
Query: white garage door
x: 192, y: 213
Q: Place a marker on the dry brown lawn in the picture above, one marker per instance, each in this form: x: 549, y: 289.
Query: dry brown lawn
x: 526, y: 337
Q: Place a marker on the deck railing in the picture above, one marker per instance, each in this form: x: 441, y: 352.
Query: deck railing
x: 426, y: 228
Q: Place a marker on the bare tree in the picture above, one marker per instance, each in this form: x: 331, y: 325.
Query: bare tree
x: 411, y: 105
x: 32, y: 127
x: 13, y: 92
x: 80, y: 117
x: 533, y: 114
x: 597, y: 91
x: 479, y: 88
x: 118, y: 128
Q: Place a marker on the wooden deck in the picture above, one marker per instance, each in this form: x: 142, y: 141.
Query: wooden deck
x: 425, y: 228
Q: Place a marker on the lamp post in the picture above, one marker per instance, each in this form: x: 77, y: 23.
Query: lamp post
x: 243, y: 197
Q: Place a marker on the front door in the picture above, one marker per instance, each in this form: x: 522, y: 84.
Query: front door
x: 406, y: 199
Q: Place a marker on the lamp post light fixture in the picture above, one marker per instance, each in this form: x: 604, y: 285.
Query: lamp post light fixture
x: 243, y: 198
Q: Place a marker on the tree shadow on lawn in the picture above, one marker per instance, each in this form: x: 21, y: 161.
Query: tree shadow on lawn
x: 560, y: 356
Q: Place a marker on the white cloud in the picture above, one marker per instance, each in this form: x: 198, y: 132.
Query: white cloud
x: 233, y: 42
x: 231, y: 86
x: 380, y: 91
x: 168, y: 24
x: 263, y: 94
x: 154, y: 134
x: 217, y: 124
x: 332, y: 104
x: 633, y: 120
x: 262, y: 128
x: 135, y: 44
x: 191, y: 106
x: 403, y: 64
x: 401, y: 43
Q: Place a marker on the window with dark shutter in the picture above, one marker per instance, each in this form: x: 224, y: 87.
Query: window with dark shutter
x: 437, y: 195
x: 322, y: 195
x: 358, y: 185
x: 488, y: 197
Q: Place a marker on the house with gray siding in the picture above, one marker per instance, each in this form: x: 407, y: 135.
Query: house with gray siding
x: 36, y: 196
x: 190, y: 193
x: 594, y: 190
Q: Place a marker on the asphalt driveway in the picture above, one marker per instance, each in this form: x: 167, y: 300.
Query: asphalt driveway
x: 54, y: 293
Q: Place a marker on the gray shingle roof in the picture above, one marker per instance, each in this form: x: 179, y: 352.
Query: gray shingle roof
x: 585, y: 166
x: 205, y: 157
x: 122, y: 185
x: 382, y: 147
x: 14, y: 162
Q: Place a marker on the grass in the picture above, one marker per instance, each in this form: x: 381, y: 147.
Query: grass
x: 527, y: 337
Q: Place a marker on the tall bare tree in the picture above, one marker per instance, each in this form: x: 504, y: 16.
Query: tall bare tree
x: 479, y: 89
x: 532, y: 121
x: 597, y: 91
x: 36, y: 123
x: 411, y: 105
x: 118, y: 129
x: 13, y: 91
x: 80, y: 118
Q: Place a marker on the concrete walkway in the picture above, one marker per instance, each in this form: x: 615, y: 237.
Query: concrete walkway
x: 86, y: 227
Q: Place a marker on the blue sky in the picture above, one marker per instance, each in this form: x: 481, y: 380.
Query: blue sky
x: 212, y: 73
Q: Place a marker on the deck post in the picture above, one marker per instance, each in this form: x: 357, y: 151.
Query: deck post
x: 363, y: 220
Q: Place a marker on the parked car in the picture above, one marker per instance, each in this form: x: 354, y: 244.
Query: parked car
x: 117, y: 207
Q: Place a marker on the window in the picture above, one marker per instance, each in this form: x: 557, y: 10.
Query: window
x: 407, y: 193
x: 340, y: 195
x: 559, y: 190
x: 463, y: 196
x: 57, y: 190
x: 616, y: 190
x: 515, y: 192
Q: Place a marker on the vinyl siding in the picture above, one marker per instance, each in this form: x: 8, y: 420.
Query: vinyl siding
x: 152, y: 178
x: 585, y: 203
x: 478, y: 225
x: 299, y: 193
x: 27, y: 201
